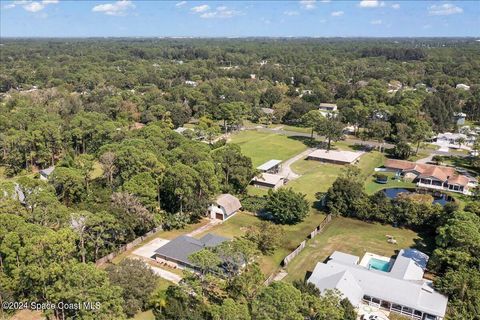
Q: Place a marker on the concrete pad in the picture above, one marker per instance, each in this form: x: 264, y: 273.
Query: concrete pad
x: 148, y: 250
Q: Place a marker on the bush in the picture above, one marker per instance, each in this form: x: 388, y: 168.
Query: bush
x: 286, y: 206
x: 254, y: 204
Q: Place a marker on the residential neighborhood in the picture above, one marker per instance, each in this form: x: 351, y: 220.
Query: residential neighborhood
x: 239, y: 160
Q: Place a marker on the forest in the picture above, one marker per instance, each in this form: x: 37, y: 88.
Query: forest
x: 103, y: 112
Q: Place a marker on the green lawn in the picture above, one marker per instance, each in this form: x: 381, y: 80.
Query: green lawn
x: 293, y: 235
x: 318, y: 176
x: 372, y: 187
x: 262, y: 147
x: 354, y: 237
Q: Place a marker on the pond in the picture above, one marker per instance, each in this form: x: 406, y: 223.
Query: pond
x: 438, y: 197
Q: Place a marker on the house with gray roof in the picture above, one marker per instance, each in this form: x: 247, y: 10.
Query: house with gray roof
x: 179, y: 249
x: 401, y: 289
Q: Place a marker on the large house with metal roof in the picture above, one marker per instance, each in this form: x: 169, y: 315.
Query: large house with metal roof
x: 398, y: 289
x: 432, y: 176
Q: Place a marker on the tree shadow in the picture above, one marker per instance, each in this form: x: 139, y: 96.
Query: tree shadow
x: 311, y: 143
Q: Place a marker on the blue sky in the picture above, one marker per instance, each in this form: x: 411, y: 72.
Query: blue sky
x: 369, y: 18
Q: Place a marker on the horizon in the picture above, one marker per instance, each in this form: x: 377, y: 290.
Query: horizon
x: 239, y: 19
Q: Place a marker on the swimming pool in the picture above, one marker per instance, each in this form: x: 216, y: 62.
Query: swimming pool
x: 378, y: 264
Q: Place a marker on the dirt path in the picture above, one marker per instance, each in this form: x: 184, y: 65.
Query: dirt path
x: 204, y: 228
x: 286, y: 171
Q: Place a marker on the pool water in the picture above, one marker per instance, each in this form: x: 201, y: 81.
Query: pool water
x: 378, y: 264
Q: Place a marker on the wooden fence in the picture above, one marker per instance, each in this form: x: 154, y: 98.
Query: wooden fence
x: 299, y: 249
x: 128, y: 246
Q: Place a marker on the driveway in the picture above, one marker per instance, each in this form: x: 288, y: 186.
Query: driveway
x: 285, y: 169
x: 167, y: 275
x: 148, y: 250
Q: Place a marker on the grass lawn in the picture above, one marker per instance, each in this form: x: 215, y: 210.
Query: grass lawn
x: 372, y: 187
x: 318, y: 176
x: 254, y: 191
x: 354, y: 237
x: 145, y: 315
x: 262, y: 147
x: 293, y: 235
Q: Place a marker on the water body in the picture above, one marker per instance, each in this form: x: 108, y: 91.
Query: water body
x: 439, y: 198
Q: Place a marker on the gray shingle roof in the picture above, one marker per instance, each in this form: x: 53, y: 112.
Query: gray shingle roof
x: 182, y: 247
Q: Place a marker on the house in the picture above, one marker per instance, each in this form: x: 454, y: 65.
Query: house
x: 459, y: 118
x: 178, y: 250
x: 333, y: 156
x: 451, y: 140
x: 269, y: 180
x: 327, y: 107
x: 432, y: 176
x: 271, y: 166
x: 398, y: 289
x: 45, y: 173
x: 224, y: 207
x: 463, y: 86
x: 191, y: 83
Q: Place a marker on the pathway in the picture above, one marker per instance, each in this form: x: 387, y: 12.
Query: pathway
x: 285, y: 169
x: 204, y: 228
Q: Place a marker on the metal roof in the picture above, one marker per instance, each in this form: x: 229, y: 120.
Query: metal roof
x: 416, y: 294
x: 269, y: 165
x: 344, y: 257
x: 332, y: 155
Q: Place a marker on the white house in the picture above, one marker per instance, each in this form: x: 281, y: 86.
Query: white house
x: 45, y: 173
x: 396, y: 286
x: 224, y: 207
x: 463, y: 86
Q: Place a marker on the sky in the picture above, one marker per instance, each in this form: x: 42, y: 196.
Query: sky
x: 306, y: 18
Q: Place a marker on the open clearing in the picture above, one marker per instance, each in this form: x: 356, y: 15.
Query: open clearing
x: 293, y: 235
x: 354, y: 237
x: 262, y: 147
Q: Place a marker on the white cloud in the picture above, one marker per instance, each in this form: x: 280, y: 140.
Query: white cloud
x: 307, y: 4
x: 337, y: 13
x: 376, y: 22
x: 31, y: 6
x: 291, y: 13
x: 180, y: 4
x: 371, y: 4
x: 119, y: 8
x: 201, y: 8
x: 396, y: 6
x: 221, y: 13
x: 34, y: 6
x: 445, y: 9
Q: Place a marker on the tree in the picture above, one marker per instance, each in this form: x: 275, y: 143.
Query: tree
x: 331, y: 129
x: 133, y: 215
x: 402, y: 150
x: 278, y: 301
x: 107, y: 161
x: 138, y: 282
x: 233, y: 168
x: 286, y: 206
x: 231, y: 310
x: 421, y: 130
x: 84, y: 163
x: 463, y: 288
x: 69, y: 184
x: 311, y: 120
x: 205, y: 260
x: 235, y: 254
x: 144, y: 187
x: 266, y: 235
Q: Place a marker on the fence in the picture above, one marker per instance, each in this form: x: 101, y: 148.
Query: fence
x: 128, y: 246
x: 299, y: 249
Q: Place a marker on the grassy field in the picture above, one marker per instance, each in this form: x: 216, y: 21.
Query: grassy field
x: 262, y: 147
x: 354, y: 237
x: 372, y: 187
x: 293, y: 235
x: 318, y: 176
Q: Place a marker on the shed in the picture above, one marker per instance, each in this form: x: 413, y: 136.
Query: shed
x: 268, y: 180
x: 271, y: 166
x: 225, y: 206
x: 333, y: 156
